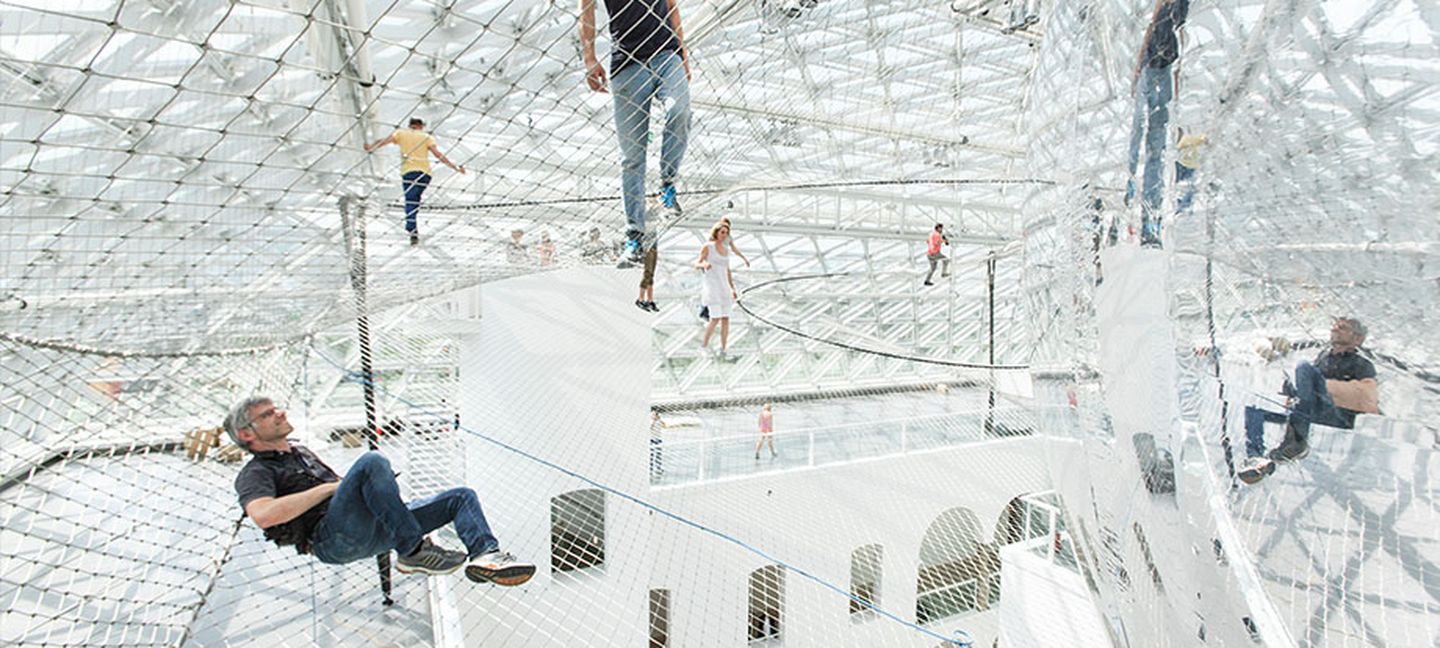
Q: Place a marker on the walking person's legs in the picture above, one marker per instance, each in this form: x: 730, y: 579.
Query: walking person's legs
x: 674, y: 89
x: 933, y: 262
x: 634, y: 89
x: 724, y: 334
x: 414, y: 184
x: 709, y: 329
x: 1158, y: 89
x: 1137, y: 134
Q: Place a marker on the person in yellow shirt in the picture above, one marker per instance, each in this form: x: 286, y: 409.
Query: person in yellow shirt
x: 1190, y: 144
x: 416, y: 146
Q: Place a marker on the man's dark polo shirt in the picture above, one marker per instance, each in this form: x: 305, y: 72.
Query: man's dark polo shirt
x: 639, y: 29
x: 1344, y: 366
x: 272, y: 473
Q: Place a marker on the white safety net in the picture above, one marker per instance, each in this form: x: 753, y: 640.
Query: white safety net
x: 191, y: 218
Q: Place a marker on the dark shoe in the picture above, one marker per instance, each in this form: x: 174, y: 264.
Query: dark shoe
x: 499, y: 567
x: 652, y: 307
x: 642, y: 305
x: 414, y: 240
x: 1290, y: 450
x: 430, y: 559
x: 928, y: 283
x: 1255, y: 469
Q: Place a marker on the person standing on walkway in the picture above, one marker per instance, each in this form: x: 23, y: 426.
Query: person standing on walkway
x: 932, y: 253
x: 1153, y: 84
x: 767, y: 432
x: 416, y: 147
x: 717, y: 286
x: 648, y: 63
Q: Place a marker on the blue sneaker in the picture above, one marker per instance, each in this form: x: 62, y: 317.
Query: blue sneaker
x: 668, y: 198
x: 631, y: 255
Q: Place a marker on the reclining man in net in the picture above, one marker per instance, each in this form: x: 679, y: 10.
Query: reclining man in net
x: 300, y: 501
x: 1330, y: 391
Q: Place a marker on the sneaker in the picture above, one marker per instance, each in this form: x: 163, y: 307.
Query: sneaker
x: 500, y: 568
x: 642, y: 305
x: 414, y: 240
x: 1255, y: 469
x: 929, y: 283
x: 668, y: 199
x: 630, y: 255
x: 430, y: 559
x: 652, y: 307
x: 1290, y: 450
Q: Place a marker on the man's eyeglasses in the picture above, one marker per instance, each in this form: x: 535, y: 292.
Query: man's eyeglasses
x: 274, y: 409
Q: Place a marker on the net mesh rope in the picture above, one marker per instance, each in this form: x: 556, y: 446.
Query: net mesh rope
x: 190, y: 219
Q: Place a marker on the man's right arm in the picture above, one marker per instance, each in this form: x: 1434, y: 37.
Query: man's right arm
x: 270, y: 511
x: 594, y: 72
x: 384, y: 141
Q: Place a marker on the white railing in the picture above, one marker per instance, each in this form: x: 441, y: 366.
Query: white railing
x: 689, y: 461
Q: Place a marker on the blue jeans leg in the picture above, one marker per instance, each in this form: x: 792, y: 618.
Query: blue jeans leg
x: 414, y: 183
x: 461, y: 506
x: 1255, y: 420
x: 1185, y: 188
x: 674, y: 88
x: 634, y: 89
x: 366, y: 516
x: 1157, y: 88
x: 1312, y: 401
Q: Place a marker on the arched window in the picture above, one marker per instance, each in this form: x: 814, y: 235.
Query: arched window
x: 956, y: 565
x: 767, y: 603
x: 577, y: 530
x: 865, y: 567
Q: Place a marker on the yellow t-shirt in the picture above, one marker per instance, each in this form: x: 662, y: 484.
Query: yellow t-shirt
x: 1190, y: 150
x: 414, y: 149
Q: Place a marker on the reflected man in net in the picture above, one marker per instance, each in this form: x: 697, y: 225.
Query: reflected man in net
x: 298, y: 500
x: 1153, y: 84
x: 416, y: 147
x: 648, y: 63
x: 1331, y: 391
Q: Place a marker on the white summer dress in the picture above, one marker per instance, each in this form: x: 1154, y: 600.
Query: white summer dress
x: 715, y: 286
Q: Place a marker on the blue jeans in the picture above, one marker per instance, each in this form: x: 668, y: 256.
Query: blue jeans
x: 1312, y: 404
x: 367, y: 518
x: 1185, y: 184
x: 414, y: 183
x: 635, y: 87
x: 1152, y: 113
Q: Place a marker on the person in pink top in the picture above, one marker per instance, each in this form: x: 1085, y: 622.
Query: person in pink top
x: 767, y: 432
x: 932, y: 252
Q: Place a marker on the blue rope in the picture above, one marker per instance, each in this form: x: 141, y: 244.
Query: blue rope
x: 962, y: 638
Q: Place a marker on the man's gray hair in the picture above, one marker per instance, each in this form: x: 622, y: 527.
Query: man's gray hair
x: 239, y: 417
x: 1355, y: 326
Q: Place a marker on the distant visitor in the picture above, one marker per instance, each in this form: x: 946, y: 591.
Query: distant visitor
x: 416, y: 147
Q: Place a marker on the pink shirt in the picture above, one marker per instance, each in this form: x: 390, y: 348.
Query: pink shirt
x: 934, y: 243
x: 767, y: 422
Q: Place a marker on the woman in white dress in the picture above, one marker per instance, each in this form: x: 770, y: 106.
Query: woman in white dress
x: 717, y: 286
